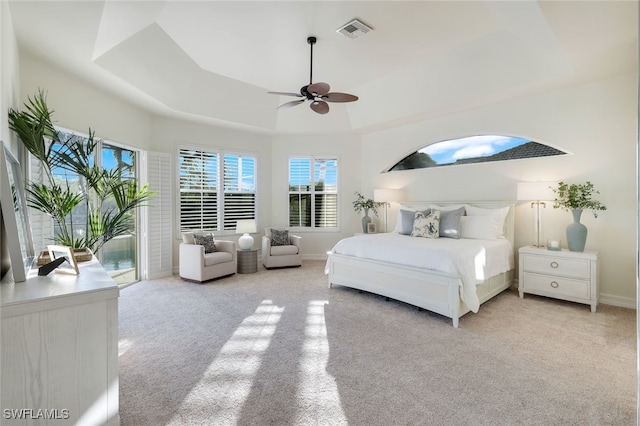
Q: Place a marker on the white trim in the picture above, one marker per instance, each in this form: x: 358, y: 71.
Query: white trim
x: 621, y: 301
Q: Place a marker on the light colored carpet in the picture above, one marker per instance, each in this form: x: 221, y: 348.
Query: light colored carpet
x: 281, y: 348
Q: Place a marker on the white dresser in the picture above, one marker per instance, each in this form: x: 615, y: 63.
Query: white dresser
x: 60, y: 349
x: 566, y: 275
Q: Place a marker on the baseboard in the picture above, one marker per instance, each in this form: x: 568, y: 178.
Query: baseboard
x: 314, y: 257
x: 623, y: 302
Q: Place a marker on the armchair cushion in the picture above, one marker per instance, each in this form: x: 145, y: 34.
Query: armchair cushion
x: 217, y: 258
x: 207, y: 241
x: 284, y: 250
x: 279, y: 237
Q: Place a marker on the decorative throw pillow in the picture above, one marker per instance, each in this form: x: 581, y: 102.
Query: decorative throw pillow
x: 407, y: 217
x: 426, y: 226
x: 207, y: 241
x: 450, y: 223
x: 279, y: 237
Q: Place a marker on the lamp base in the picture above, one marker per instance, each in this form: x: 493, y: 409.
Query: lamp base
x: 245, y: 242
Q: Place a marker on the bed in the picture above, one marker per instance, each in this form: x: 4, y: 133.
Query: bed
x: 448, y: 276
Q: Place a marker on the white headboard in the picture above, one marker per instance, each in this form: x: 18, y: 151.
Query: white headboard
x: 509, y: 223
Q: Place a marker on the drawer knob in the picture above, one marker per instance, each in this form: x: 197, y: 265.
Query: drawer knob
x: 554, y: 284
x: 554, y: 264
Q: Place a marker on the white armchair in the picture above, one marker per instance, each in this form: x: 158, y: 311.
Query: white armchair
x: 281, y: 256
x: 198, y: 266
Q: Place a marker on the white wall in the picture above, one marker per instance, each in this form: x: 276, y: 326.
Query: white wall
x: 596, y: 122
x: 78, y: 105
x: 9, y: 75
x: 347, y: 148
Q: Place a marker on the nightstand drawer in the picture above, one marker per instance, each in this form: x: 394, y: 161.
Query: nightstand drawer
x: 575, y: 268
x: 557, y: 286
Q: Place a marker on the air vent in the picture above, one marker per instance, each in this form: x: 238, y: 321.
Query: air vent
x: 354, y: 29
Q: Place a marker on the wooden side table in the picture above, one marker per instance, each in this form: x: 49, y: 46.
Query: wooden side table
x: 562, y: 274
x: 247, y: 261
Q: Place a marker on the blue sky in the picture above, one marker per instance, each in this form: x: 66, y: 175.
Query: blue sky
x: 450, y: 151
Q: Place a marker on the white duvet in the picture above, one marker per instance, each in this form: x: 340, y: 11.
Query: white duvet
x: 473, y: 261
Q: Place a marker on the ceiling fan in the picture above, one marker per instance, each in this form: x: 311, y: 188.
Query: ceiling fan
x: 317, y: 93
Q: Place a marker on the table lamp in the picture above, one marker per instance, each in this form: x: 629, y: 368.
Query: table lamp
x: 245, y: 227
x: 537, y: 193
x: 386, y: 195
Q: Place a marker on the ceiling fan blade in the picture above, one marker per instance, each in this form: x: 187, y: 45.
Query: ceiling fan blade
x: 320, y: 89
x: 286, y: 94
x: 291, y: 104
x: 339, y: 97
x: 320, y: 107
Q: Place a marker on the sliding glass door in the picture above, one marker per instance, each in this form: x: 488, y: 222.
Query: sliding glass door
x: 120, y: 255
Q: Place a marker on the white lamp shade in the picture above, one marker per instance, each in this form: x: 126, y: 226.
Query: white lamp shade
x: 246, y: 226
x: 386, y: 195
x: 536, y: 191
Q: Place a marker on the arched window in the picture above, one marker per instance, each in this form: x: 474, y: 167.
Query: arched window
x: 474, y: 149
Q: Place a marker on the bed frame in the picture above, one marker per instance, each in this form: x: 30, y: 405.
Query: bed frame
x: 428, y: 289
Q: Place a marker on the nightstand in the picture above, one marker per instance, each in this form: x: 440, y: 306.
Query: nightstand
x: 247, y: 261
x: 566, y: 275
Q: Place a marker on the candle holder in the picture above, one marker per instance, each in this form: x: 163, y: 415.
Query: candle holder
x: 554, y: 245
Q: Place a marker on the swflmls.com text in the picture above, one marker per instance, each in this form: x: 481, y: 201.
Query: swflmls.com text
x: 35, y: 414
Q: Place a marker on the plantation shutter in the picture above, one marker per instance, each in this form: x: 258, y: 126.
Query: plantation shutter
x: 198, y: 190
x: 326, y: 193
x: 239, y: 189
x: 313, y: 192
x: 299, y: 192
x: 158, y: 244
x: 41, y: 223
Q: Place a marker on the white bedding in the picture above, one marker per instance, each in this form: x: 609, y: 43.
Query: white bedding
x: 472, y: 260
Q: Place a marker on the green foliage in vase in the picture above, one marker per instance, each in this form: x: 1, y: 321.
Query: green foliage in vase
x: 110, y: 198
x: 365, y: 204
x: 577, y: 197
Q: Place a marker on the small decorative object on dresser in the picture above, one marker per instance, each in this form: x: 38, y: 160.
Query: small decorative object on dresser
x: 564, y: 274
x: 576, y: 198
x: 371, y: 228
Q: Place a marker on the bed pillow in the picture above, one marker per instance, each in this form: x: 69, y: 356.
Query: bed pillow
x: 450, y: 222
x: 426, y: 225
x: 280, y: 237
x: 446, y: 208
x: 497, y: 218
x: 478, y: 228
x: 207, y: 241
x: 406, y: 219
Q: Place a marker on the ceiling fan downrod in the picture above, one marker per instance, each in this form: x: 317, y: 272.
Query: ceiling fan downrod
x: 311, y: 40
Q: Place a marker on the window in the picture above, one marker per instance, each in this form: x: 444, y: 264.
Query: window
x: 474, y: 149
x: 216, y: 189
x: 313, y: 192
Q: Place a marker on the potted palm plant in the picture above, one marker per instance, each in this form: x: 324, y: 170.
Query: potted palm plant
x: 109, y: 197
x: 576, y: 198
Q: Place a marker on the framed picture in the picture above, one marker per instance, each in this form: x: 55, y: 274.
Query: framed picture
x: 17, y: 244
x: 56, y: 252
x: 371, y: 228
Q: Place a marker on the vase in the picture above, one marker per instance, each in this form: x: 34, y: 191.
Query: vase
x: 576, y: 232
x: 366, y: 220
